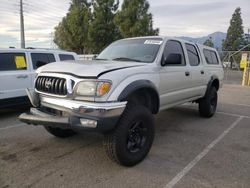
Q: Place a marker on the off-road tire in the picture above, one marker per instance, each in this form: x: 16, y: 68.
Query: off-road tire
x: 208, y: 104
x: 132, y: 139
x: 58, y: 132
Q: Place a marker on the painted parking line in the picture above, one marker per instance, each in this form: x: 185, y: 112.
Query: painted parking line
x: 186, y: 105
x: 231, y: 114
x: 185, y: 170
x: 12, y: 126
x: 245, y: 105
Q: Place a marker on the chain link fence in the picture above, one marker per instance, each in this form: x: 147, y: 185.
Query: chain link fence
x: 231, y: 64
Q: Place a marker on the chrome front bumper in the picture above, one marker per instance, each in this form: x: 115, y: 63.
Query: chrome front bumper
x: 79, y: 108
x: 73, y: 112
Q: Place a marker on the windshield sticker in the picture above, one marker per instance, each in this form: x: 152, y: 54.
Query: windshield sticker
x: 157, y: 42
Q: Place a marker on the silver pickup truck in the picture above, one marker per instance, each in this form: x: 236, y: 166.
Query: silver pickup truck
x: 119, y: 91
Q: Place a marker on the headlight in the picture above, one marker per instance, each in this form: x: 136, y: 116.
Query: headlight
x: 86, y: 88
x: 92, y: 88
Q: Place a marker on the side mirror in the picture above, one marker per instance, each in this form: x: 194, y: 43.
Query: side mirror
x: 94, y: 57
x: 172, y: 59
x: 40, y: 64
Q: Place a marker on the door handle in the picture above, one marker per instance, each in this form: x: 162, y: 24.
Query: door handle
x: 202, y: 71
x: 22, y: 76
x: 187, y: 73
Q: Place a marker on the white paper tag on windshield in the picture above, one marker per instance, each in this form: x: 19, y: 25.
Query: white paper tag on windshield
x: 157, y: 42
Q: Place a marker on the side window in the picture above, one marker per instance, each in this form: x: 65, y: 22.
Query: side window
x: 65, y: 57
x: 214, y: 58
x: 12, y: 61
x: 211, y: 57
x: 39, y: 59
x: 174, y: 47
x: 193, y: 55
x: 208, y: 56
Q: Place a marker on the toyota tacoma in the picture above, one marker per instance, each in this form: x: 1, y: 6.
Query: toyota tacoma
x: 119, y: 91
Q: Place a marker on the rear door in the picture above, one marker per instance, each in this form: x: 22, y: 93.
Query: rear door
x: 197, y: 71
x: 15, y: 75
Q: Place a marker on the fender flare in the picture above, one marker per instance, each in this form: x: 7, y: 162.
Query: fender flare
x: 141, y: 84
x: 210, y: 83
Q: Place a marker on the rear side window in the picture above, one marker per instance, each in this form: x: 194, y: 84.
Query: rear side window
x: 211, y: 57
x: 214, y: 57
x: 65, y: 57
x: 174, y: 47
x: 193, y: 55
x: 12, y: 61
x: 39, y: 59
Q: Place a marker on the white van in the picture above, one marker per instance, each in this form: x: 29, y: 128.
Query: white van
x: 17, y: 71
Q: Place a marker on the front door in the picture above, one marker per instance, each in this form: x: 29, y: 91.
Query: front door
x: 175, y: 79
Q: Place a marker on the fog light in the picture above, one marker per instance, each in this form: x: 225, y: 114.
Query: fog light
x: 88, y: 123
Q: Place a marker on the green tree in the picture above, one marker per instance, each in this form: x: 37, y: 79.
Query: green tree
x: 247, y: 41
x: 102, y: 30
x: 134, y: 19
x: 72, y: 32
x: 235, y: 33
x: 209, y: 42
x: 60, y: 34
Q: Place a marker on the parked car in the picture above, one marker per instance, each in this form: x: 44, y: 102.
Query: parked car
x: 17, y: 71
x: 118, y: 92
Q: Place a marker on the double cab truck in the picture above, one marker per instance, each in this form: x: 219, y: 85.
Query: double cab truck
x: 118, y: 92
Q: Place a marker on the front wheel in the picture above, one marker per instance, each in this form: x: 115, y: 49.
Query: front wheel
x: 208, y: 104
x: 58, y: 132
x: 132, y: 139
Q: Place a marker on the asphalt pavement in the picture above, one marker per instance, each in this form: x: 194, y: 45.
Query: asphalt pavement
x: 188, y: 151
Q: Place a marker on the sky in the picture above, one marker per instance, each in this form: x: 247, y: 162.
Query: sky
x: 192, y: 18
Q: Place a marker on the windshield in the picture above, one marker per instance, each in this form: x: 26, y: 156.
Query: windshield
x: 139, y: 50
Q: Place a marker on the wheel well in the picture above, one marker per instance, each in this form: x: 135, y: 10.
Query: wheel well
x: 146, y: 97
x: 216, y: 84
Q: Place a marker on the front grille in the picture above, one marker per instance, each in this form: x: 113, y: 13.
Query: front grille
x: 51, y: 85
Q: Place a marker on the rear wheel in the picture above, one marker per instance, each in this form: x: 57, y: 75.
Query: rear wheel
x: 58, y: 132
x: 132, y: 139
x: 208, y: 104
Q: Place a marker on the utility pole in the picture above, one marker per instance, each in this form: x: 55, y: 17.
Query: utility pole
x: 52, y: 40
x: 22, y: 25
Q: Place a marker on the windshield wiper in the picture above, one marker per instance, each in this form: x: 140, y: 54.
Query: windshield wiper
x: 125, y: 59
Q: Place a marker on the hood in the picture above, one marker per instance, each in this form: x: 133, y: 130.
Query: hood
x: 87, y: 68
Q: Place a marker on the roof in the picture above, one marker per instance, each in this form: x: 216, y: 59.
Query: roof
x: 170, y: 38
x: 157, y: 37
